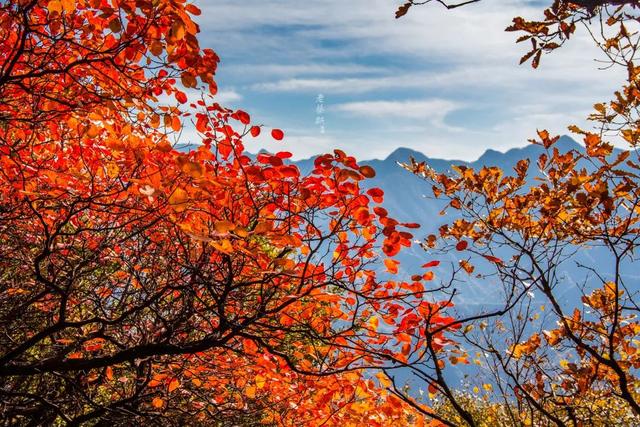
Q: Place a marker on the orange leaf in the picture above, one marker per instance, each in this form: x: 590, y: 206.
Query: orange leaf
x: 392, y: 265
x: 384, y: 380
x: 54, y: 6
x: 178, y: 197
x: 174, y: 384
x: 250, y: 392
x: 493, y: 259
x: 466, y: 265
x: 157, y: 402
x: 175, y: 123
x: 68, y: 5
x: 193, y: 9
x: 224, y: 227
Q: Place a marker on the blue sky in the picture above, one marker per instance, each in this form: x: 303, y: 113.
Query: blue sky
x: 445, y: 83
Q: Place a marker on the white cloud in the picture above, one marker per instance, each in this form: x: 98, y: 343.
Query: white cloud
x: 301, y: 69
x: 432, y: 110
x: 228, y: 96
x: 546, y: 81
x: 338, y: 85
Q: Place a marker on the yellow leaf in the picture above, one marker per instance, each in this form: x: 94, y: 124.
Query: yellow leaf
x: 112, y: 170
x: 487, y: 387
x: 260, y: 381
x: 384, y: 380
x: 54, y: 6
x: 374, y: 322
x: 517, y: 350
x: 155, y: 121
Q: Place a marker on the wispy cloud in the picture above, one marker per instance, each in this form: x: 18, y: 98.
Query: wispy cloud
x: 431, y: 110
x: 337, y: 85
x: 228, y: 97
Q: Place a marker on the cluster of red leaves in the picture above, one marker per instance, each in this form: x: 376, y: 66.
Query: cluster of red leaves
x: 144, y: 282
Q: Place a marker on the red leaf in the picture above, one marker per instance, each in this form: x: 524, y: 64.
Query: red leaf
x: 283, y: 155
x: 376, y: 194
x: 411, y: 225
x: 277, y: 134
x: 181, y: 97
x: 431, y: 264
x: 244, y: 118
x: 433, y: 389
x: 367, y: 171
x: 381, y: 212
x: 202, y: 123
x: 255, y: 131
x: 462, y: 245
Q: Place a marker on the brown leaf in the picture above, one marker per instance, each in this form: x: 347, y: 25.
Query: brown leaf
x: 402, y: 10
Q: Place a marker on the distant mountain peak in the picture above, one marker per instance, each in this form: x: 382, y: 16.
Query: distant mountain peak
x: 490, y: 156
x: 531, y: 151
x: 402, y: 154
x: 567, y: 143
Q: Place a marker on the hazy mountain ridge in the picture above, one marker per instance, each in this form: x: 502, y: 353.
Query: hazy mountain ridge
x: 404, y: 192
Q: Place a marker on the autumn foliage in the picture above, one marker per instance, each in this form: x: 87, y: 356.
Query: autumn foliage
x: 144, y: 284
x: 545, y: 359
x: 151, y: 280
